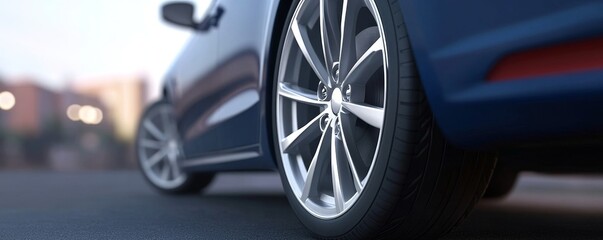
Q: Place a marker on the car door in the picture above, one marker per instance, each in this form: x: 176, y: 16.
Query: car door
x: 242, y: 44
x: 218, y: 108
x: 244, y: 33
x: 193, y: 87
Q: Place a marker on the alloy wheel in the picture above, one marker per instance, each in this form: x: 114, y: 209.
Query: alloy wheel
x: 330, y: 102
x: 159, y: 149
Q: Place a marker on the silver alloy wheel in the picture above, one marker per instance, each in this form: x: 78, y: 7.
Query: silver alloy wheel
x: 331, y: 99
x: 158, y: 149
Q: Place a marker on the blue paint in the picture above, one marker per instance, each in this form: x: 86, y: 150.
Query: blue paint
x: 456, y: 43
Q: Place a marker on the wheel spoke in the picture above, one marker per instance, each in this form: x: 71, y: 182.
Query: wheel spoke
x: 175, y: 169
x: 316, y: 167
x: 303, y: 41
x: 308, y: 131
x: 369, y: 114
x: 165, y: 121
x: 335, y: 172
x: 156, y: 158
x: 165, y: 172
x: 370, y: 4
x: 329, y: 26
x: 347, y: 48
x: 299, y: 94
x: 368, y: 63
x: 357, y: 183
x: 148, y: 143
x: 153, y: 130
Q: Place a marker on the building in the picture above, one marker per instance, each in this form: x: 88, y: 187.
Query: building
x: 3, y: 114
x: 64, y: 130
x: 28, y: 124
x: 34, y: 109
x: 124, y: 98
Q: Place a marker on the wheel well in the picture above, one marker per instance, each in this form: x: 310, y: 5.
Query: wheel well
x: 277, y: 32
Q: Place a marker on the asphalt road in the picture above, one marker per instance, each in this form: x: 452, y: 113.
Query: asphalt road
x: 119, y: 205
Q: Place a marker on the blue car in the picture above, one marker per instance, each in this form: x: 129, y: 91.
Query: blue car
x: 384, y: 118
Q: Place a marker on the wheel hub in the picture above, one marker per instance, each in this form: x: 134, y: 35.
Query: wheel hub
x: 172, y: 150
x: 336, y: 100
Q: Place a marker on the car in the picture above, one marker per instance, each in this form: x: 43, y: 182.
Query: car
x: 385, y: 119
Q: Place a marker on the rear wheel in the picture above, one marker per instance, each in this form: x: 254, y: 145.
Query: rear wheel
x: 158, y: 151
x: 359, y: 152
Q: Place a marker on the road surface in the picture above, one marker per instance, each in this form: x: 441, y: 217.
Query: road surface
x: 120, y: 205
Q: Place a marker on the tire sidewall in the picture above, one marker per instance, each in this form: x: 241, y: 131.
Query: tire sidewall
x: 346, y: 222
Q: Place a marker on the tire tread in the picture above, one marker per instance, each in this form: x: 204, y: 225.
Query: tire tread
x: 440, y: 186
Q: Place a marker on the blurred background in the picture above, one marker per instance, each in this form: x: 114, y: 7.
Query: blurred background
x: 75, y: 77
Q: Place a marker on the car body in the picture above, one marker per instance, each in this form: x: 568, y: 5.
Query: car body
x: 456, y: 44
x: 217, y: 87
x: 497, y: 75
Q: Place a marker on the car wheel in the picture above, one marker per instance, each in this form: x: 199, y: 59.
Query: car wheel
x: 502, y: 182
x: 158, y: 149
x: 358, y: 149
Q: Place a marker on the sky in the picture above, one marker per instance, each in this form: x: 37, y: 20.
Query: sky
x: 61, y: 41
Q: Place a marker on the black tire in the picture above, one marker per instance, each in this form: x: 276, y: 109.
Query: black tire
x: 194, y: 183
x: 502, y: 182
x: 421, y: 186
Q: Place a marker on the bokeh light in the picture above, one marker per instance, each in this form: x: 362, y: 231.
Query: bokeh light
x: 7, y: 100
x: 73, y: 112
x: 90, y: 115
x: 99, y: 116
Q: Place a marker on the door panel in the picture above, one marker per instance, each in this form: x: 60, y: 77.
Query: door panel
x: 230, y: 117
x: 217, y: 88
x: 220, y: 104
x: 242, y: 44
x: 191, y: 85
x: 244, y: 33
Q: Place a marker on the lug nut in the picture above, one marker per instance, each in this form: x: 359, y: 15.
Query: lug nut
x: 348, y: 93
x: 323, y: 92
x: 324, y: 122
x: 337, y: 130
x: 335, y: 71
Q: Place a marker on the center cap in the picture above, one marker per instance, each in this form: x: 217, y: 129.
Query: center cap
x: 336, y: 99
x: 172, y: 147
x: 172, y: 144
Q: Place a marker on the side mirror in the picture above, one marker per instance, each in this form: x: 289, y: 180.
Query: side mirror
x: 179, y: 13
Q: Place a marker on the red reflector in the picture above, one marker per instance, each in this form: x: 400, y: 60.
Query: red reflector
x: 559, y: 59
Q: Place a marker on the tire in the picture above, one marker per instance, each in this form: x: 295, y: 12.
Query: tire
x: 502, y: 182
x: 180, y: 183
x: 420, y: 186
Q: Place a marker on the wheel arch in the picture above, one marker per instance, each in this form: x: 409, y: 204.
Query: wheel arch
x: 277, y: 27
